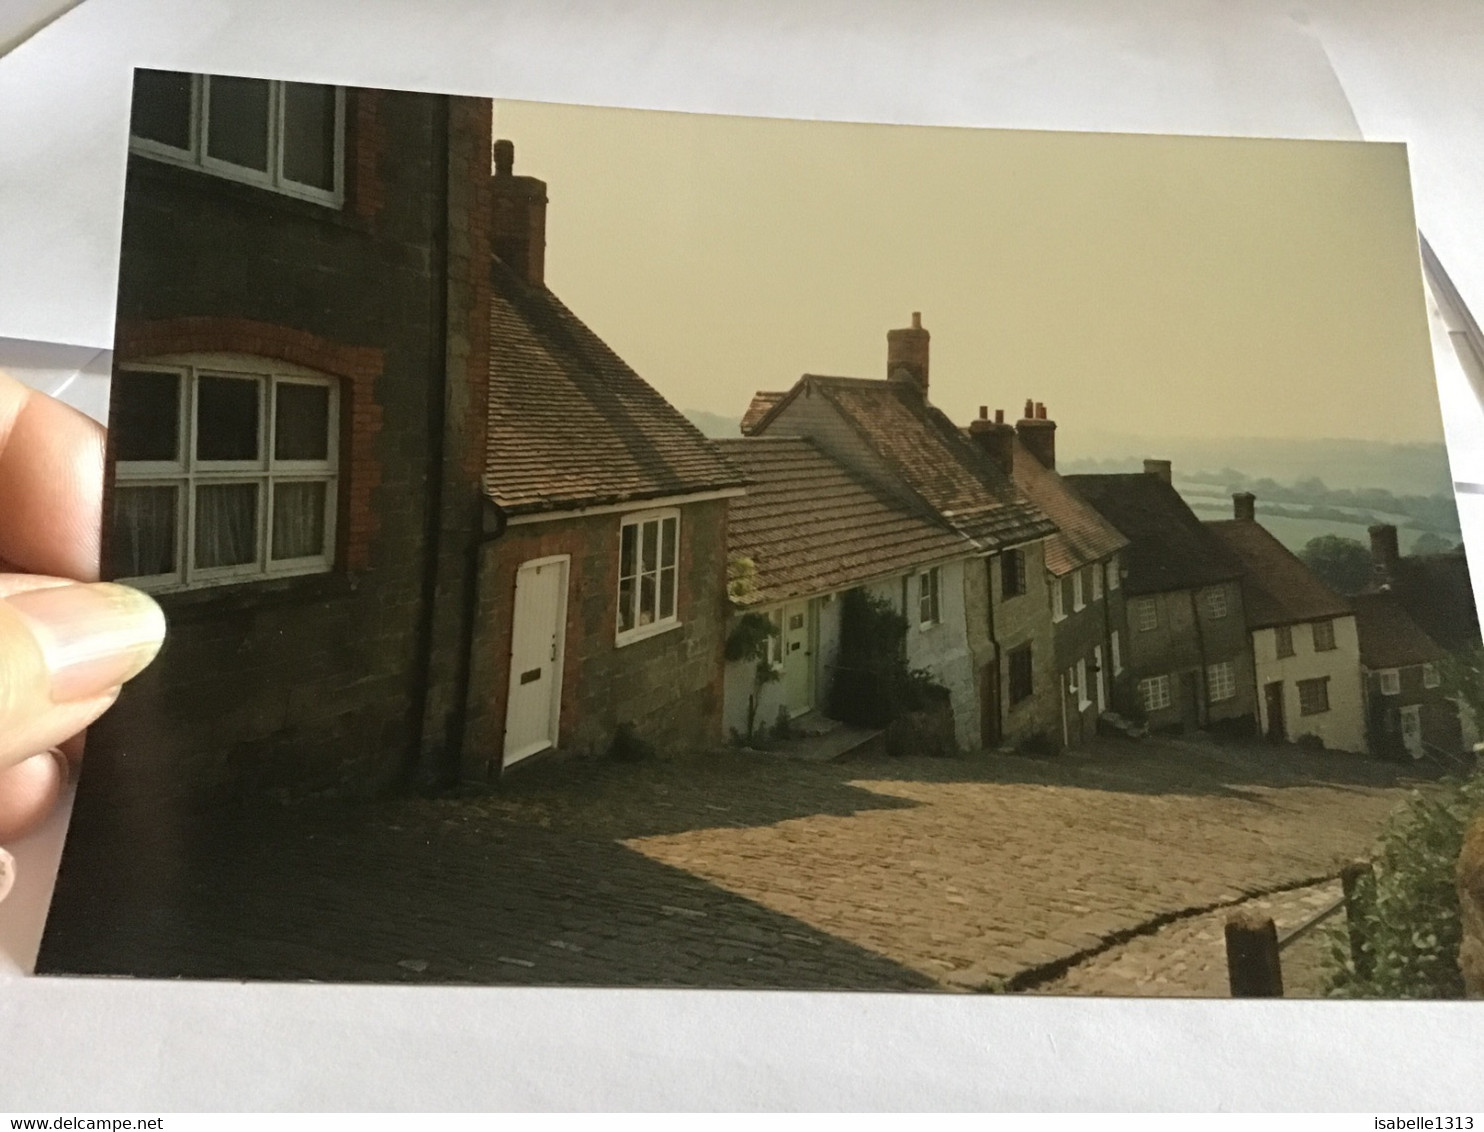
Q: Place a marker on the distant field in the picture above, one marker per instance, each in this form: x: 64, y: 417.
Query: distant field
x: 1294, y: 533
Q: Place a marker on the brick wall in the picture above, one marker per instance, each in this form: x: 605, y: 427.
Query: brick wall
x: 669, y: 686
x: 317, y: 683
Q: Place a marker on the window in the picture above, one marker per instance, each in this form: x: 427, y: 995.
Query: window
x: 1083, y: 701
x: 224, y: 473
x: 1020, y: 674
x: 1116, y: 652
x: 1097, y: 581
x: 1146, y: 614
x: 648, y: 558
x: 1071, y: 683
x: 1079, y: 595
x: 1113, y: 569
x: 1154, y: 693
x: 1313, y: 696
x: 928, y: 608
x: 1324, y: 636
x: 1216, y: 606
x: 1221, y: 681
x: 1283, y: 639
x: 1058, y: 601
x: 284, y: 136
x: 1430, y: 676
x: 1012, y: 573
x: 1390, y: 680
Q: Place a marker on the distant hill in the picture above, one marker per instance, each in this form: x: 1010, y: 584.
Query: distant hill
x: 714, y: 424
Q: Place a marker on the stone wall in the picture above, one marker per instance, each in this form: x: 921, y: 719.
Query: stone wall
x: 319, y: 683
x: 1471, y: 905
x: 1018, y: 621
x: 669, y: 686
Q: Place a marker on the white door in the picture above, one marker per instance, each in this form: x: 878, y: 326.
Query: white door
x: 1412, y: 730
x: 536, y: 642
x: 798, y: 658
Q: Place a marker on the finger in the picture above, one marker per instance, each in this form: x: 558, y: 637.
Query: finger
x: 28, y: 791
x: 64, y: 650
x: 51, y: 484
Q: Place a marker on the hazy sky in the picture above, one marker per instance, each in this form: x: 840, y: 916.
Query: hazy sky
x: 1154, y: 285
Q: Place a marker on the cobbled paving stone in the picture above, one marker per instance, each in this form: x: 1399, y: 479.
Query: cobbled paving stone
x: 724, y: 870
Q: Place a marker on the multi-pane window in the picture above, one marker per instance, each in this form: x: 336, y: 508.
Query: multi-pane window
x: 1283, y: 639
x: 1083, y: 700
x: 1390, y: 680
x: 1154, y: 693
x: 284, y: 136
x: 1221, y: 681
x: 1020, y: 674
x: 929, y: 608
x: 1058, y: 600
x: 1216, y: 603
x: 1431, y: 678
x: 1324, y: 636
x: 1113, y: 580
x: 224, y: 472
x: 1097, y: 581
x: 1079, y: 596
x: 1116, y: 652
x: 1012, y: 573
x: 1313, y: 696
x: 648, y: 574
x: 1146, y: 614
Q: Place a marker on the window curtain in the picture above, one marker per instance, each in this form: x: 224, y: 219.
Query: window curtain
x: 226, y: 524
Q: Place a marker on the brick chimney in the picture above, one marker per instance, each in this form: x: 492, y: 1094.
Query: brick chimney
x: 1244, y: 506
x: 518, y: 219
x: 1384, y: 554
x: 907, y: 354
x: 995, y: 438
x: 1038, y: 434
x: 1159, y: 468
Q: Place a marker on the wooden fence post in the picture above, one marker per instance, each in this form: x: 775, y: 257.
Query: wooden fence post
x: 1252, y: 964
x: 1359, y: 882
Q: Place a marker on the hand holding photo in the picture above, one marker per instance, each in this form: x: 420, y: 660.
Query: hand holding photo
x: 713, y: 625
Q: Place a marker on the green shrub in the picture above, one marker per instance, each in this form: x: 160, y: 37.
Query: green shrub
x: 872, y: 685
x: 1409, y: 919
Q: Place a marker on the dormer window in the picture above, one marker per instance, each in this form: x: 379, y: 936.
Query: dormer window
x: 284, y: 136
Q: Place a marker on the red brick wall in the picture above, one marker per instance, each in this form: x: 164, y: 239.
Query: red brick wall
x: 357, y: 366
x: 365, y: 141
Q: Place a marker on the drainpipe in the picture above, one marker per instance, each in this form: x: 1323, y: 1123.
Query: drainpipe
x: 1203, y: 706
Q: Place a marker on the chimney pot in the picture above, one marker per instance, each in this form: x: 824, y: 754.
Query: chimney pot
x: 1030, y: 410
x: 984, y: 412
x: 1040, y: 411
x: 504, y: 150
x: 916, y: 320
x: 907, y: 354
x: 1244, y: 505
x: 1159, y: 469
x: 518, y: 217
x: 999, y: 416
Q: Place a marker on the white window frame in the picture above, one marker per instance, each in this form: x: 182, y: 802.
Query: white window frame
x: 1116, y: 651
x: 1221, y: 681
x: 1154, y: 693
x: 1329, y: 628
x: 1079, y: 596
x: 1058, y: 606
x: 1146, y: 614
x: 1114, y: 581
x: 197, y: 157
x: 1097, y: 582
x: 929, y: 598
x: 1283, y: 633
x: 186, y: 472
x: 1083, y: 700
x: 641, y: 519
x: 1431, y: 677
x: 1389, y: 680
x: 1217, y: 604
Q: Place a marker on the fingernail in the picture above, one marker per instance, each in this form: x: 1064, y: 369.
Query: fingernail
x: 94, y: 637
x: 7, y: 873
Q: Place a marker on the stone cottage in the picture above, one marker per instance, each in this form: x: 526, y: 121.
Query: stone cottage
x: 810, y: 530
x: 889, y: 432
x: 1305, y: 645
x: 603, y: 603
x: 1084, y: 572
x: 1188, y: 651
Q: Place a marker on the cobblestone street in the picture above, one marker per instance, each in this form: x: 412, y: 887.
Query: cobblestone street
x: 732, y: 870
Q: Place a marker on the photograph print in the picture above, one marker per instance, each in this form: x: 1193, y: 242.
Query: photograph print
x: 620, y: 548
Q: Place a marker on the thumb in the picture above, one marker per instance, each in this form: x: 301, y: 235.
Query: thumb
x: 64, y: 651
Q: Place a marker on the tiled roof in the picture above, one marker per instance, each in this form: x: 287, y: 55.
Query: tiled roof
x: 811, y: 526
x: 927, y: 453
x: 1082, y: 535
x: 1169, y: 548
x: 761, y: 403
x: 1437, y: 593
x: 1277, y: 588
x: 570, y: 424
x: 1389, y: 638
